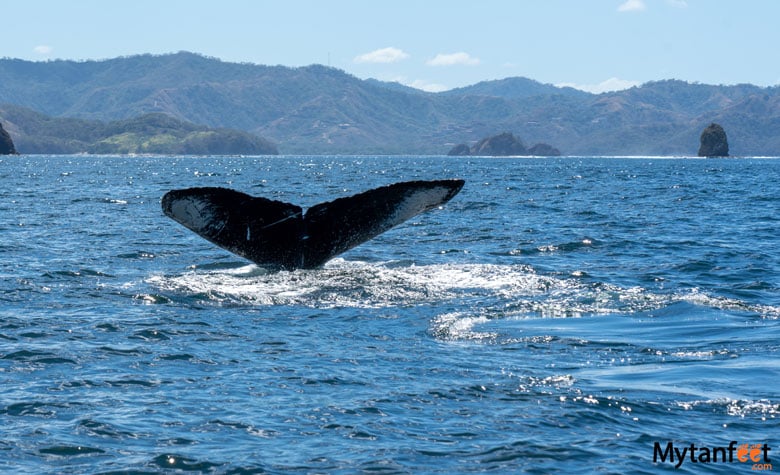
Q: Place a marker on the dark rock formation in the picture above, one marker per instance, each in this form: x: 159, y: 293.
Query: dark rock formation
x: 502, y: 145
x: 713, y: 142
x: 544, y: 150
x: 6, y: 144
x: 499, y: 145
x: 460, y: 150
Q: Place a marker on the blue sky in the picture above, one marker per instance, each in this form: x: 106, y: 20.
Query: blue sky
x: 429, y: 44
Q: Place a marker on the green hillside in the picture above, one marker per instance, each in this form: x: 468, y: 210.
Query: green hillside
x: 155, y: 133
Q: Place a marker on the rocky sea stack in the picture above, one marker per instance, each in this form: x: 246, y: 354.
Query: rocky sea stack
x: 502, y: 145
x: 6, y: 144
x: 713, y: 142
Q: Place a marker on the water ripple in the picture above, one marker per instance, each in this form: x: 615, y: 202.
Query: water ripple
x: 560, y: 315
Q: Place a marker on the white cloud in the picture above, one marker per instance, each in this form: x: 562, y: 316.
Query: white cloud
x: 453, y: 59
x: 632, y: 6
x: 610, y: 85
x: 420, y: 84
x: 43, y: 50
x: 427, y: 86
x: 383, y: 55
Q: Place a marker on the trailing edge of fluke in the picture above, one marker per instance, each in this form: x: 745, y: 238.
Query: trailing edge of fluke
x: 280, y: 235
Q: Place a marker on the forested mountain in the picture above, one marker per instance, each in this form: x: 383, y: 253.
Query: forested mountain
x: 316, y: 109
x: 514, y: 88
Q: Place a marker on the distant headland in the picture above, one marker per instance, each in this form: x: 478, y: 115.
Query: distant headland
x: 6, y: 144
x: 153, y: 133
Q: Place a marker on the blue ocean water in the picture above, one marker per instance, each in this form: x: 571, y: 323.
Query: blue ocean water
x: 560, y: 315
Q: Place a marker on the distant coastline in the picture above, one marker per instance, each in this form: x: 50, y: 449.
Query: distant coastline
x: 321, y: 110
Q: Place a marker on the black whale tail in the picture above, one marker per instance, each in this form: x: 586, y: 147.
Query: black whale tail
x: 279, y: 235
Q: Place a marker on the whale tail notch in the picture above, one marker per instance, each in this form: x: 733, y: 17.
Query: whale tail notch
x: 280, y: 235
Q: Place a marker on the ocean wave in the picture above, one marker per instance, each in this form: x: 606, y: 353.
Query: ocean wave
x: 735, y: 407
x: 700, y: 298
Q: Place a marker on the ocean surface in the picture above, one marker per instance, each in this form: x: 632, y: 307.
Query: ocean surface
x: 560, y: 315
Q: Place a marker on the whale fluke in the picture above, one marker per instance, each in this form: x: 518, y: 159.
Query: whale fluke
x: 280, y: 235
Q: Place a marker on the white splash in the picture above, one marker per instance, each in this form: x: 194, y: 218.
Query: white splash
x: 355, y: 284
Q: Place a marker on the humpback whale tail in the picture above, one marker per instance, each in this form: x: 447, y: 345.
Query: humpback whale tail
x: 280, y: 235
